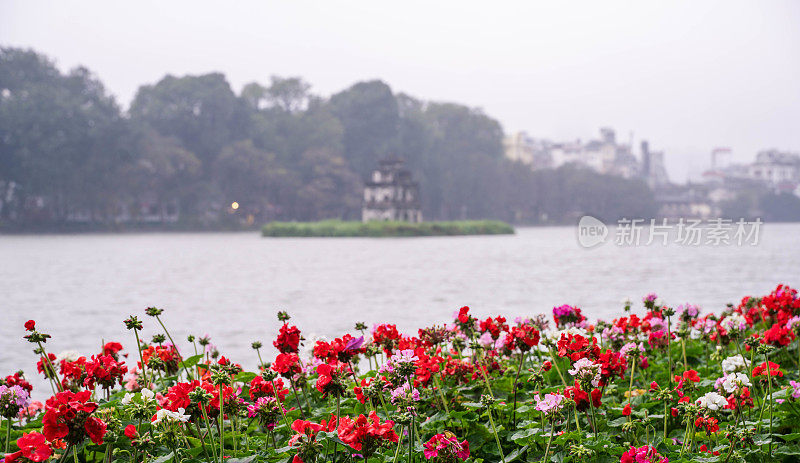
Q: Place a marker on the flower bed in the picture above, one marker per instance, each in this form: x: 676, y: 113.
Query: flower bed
x: 659, y: 383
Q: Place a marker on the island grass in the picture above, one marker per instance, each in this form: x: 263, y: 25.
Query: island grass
x: 339, y: 228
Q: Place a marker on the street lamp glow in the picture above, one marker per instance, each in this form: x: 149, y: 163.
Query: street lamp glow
x: 234, y: 205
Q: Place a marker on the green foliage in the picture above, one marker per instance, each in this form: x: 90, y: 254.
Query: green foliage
x: 338, y: 228
x: 189, y: 147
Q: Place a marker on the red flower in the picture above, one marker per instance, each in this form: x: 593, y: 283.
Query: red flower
x: 581, y: 397
x: 778, y: 336
x: 67, y: 416
x: 169, y: 358
x: 709, y: 424
x: 32, y: 446
x: 111, y: 348
x: 577, y: 347
x: 17, y: 379
x: 463, y: 315
x: 386, y: 336
x: 692, y: 376
x: 288, y: 339
x: 366, y: 434
x: 105, y: 371
x: 130, y: 431
x: 523, y: 337
x: 309, y: 430
x: 287, y: 365
x: 762, y: 370
x: 30, y: 325
x: 331, y: 378
x: 627, y: 410
x: 259, y: 387
x: 494, y: 326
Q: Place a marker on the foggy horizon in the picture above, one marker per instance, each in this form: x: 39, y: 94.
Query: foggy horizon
x: 686, y: 77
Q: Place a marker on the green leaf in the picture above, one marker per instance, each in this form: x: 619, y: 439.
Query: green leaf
x: 245, y: 377
x: 192, y: 361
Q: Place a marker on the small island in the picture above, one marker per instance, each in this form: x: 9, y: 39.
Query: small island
x: 377, y: 229
x: 391, y: 207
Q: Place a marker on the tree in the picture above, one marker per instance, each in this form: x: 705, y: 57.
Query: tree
x: 61, y: 135
x: 201, y: 111
x: 329, y: 189
x: 255, y: 180
x: 369, y: 114
x: 164, y: 171
x: 288, y: 94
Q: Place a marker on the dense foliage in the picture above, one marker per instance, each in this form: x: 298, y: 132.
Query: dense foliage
x: 189, y: 147
x: 381, y: 229
x: 657, y: 384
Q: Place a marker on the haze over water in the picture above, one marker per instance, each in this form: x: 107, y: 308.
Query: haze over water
x: 79, y: 288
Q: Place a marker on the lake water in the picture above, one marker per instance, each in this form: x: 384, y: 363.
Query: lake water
x: 79, y: 288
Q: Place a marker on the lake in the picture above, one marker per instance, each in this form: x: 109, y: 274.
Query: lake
x: 79, y: 288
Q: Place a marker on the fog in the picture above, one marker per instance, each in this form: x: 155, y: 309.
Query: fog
x: 687, y: 76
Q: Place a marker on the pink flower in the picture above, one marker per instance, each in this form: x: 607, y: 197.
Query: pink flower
x: 445, y: 446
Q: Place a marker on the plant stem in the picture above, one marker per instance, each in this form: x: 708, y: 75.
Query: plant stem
x: 221, y: 424
x: 208, y: 426
x: 173, y: 344
x: 516, y: 380
x: 8, y: 433
x: 297, y: 398
x: 558, y: 369
x: 139, y: 348
x: 496, y: 438
x: 202, y: 440
x: 769, y: 385
x: 550, y: 439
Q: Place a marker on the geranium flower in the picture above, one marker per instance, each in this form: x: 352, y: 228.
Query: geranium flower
x: 366, y: 434
x: 259, y: 387
x: 762, y: 370
x: 287, y: 365
x: 332, y: 378
x: 288, y: 340
x: 712, y: 401
x: 445, y: 447
x: 32, y: 446
x: 550, y: 404
x: 644, y: 454
x: 68, y: 416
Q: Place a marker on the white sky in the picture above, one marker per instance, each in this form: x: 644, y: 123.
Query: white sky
x: 686, y: 75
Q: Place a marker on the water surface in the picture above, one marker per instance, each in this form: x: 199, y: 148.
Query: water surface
x: 79, y: 288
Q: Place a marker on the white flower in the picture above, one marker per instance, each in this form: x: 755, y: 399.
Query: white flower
x: 734, y: 322
x: 167, y: 415
x: 586, y: 369
x: 734, y: 363
x: 127, y: 399
x: 695, y: 334
x: 712, y: 401
x: 147, y: 394
x: 68, y: 355
x: 735, y: 381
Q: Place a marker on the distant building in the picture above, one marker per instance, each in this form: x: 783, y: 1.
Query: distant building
x: 653, y: 170
x: 780, y: 171
x: 689, y: 201
x: 604, y: 155
x: 533, y: 152
x: 391, y: 194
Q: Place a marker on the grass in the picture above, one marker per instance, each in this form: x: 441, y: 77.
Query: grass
x: 338, y: 228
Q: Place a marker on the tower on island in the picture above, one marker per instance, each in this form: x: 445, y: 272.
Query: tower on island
x: 391, y: 194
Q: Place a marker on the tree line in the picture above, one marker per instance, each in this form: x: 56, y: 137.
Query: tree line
x: 189, y: 147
